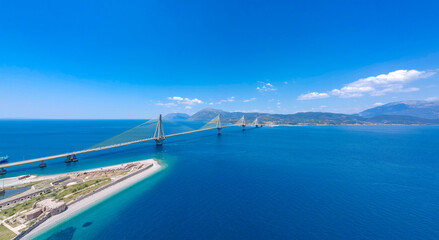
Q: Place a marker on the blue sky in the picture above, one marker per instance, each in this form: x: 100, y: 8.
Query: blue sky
x: 108, y: 59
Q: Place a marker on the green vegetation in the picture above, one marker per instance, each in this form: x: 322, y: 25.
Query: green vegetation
x: 65, y: 193
x: 42, y: 184
x: 99, y: 183
x: 74, y: 192
x: 5, y: 233
x: 78, y: 187
x: 20, y: 207
x: 122, y: 173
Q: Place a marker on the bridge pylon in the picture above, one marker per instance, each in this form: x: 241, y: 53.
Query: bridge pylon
x: 159, y: 134
x: 243, y: 123
x: 218, y: 124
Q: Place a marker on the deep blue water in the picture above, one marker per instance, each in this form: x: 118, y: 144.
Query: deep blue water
x: 323, y: 182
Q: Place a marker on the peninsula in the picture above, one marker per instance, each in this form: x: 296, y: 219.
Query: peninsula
x: 50, y: 199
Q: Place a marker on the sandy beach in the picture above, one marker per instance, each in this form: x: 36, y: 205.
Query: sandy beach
x: 85, y: 203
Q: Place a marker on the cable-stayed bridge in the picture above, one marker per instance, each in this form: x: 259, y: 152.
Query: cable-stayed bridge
x: 148, y: 131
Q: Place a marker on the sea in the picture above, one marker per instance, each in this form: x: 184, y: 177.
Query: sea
x: 306, y: 182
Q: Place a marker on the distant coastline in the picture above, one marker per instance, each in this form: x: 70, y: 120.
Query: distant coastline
x: 399, y: 113
x: 376, y: 124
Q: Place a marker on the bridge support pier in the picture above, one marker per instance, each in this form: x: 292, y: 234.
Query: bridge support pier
x: 219, y: 131
x: 243, y: 127
x: 74, y: 159
x: 159, y: 142
x: 68, y: 159
x: 3, y: 171
x: 43, y: 164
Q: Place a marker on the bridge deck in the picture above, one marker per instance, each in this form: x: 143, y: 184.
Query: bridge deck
x: 13, y: 164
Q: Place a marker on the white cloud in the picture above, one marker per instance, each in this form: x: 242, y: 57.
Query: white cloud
x: 230, y: 99
x: 192, y: 101
x: 266, y: 87
x: 249, y: 100
x: 179, y: 100
x: 176, y: 98
x: 378, y: 104
x: 312, y: 95
x: 382, y: 84
x: 186, y: 101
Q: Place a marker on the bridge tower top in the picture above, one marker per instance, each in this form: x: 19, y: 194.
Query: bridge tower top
x: 159, y: 134
x: 256, y: 122
x: 218, y: 122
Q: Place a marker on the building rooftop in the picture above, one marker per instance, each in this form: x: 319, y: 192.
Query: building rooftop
x: 34, y: 211
x: 50, y: 203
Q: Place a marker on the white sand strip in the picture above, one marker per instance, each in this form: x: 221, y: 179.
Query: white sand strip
x: 93, y: 199
x: 35, y: 178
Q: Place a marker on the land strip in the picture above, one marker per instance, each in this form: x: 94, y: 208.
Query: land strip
x: 66, y: 195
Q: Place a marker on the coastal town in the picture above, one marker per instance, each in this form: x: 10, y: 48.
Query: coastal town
x: 35, y: 199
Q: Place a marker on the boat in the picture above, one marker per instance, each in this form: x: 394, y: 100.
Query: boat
x: 4, y: 159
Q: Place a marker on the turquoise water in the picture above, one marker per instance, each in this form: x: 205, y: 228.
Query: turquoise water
x: 12, y: 192
x: 331, y: 182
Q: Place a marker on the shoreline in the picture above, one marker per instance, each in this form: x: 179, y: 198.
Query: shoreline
x: 14, y: 181
x: 89, y: 201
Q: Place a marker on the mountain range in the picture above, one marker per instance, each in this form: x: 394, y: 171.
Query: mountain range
x: 421, y: 109
x: 406, y: 112
x: 176, y: 116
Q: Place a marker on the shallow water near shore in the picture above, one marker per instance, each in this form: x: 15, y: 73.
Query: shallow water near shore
x: 323, y: 182
x: 11, y: 192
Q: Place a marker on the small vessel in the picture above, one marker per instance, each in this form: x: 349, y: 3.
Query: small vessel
x: 4, y: 159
